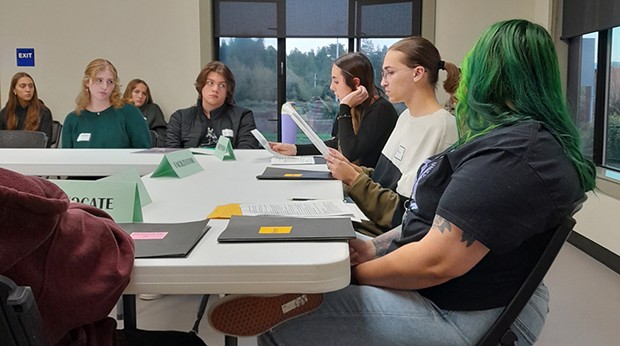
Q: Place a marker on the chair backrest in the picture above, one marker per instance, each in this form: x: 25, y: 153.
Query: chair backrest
x: 500, y: 333
x: 154, y: 138
x: 22, y: 139
x: 20, y: 320
x: 56, y: 130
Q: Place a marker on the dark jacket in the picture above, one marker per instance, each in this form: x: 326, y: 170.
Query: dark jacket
x: 186, y: 127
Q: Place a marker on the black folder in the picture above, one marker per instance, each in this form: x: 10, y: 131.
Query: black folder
x: 272, y: 173
x: 178, y: 242
x: 280, y: 228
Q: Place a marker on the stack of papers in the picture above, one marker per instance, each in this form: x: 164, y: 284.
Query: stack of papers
x: 304, y: 208
x: 314, y: 208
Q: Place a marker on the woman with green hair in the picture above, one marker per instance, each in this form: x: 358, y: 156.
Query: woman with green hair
x: 478, y: 217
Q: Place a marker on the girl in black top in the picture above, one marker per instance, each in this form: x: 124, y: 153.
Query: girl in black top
x: 365, y: 120
x: 24, y: 110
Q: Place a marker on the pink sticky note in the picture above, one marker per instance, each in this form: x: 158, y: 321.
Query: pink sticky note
x: 148, y: 235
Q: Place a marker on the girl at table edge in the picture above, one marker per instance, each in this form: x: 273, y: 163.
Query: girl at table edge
x: 365, y: 120
x: 215, y: 114
x: 445, y: 276
x: 23, y: 109
x: 138, y: 93
x: 101, y: 118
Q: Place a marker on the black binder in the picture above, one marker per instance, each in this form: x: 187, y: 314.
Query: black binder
x: 177, y: 243
x: 279, y: 228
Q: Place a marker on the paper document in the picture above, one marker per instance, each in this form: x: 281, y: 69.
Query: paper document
x: 203, y: 151
x: 314, y: 208
x: 287, y: 108
x: 263, y: 141
x: 293, y: 160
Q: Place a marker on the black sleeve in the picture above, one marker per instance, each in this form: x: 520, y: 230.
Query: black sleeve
x: 46, y: 123
x: 173, y: 133
x: 370, y: 138
x: 155, y: 120
x: 245, y: 139
x: 498, y: 209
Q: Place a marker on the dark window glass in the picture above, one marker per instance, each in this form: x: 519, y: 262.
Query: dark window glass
x: 612, y: 139
x: 246, y: 19
x: 317, y: 18
x: 587, y: 92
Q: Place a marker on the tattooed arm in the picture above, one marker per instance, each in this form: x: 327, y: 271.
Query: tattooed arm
x: 446, y: 252
x: 362, y: 251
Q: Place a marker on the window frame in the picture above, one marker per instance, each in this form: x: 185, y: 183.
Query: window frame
x: 354, y: 36
x: 607, y: 177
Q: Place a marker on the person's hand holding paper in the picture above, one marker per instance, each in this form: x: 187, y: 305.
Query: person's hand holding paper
x: 341, y: 168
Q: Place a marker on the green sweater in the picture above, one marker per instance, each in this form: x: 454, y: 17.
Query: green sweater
x: 113, y: 128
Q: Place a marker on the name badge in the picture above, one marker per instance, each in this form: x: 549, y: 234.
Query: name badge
x: 227, y: 133
x: 400, y: 153
x: 84, y: 137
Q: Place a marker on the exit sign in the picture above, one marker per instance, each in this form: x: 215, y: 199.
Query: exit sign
x: 25, y: 57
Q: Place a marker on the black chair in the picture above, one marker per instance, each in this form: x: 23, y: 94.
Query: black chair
x: 155, y: 140
x: 56, y: 130
x: 22, y: 139
x: 500, y: 333
x: 20, y: 320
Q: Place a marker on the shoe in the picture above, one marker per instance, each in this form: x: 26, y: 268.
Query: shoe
x: 150, y: 296
x: 242, y: 316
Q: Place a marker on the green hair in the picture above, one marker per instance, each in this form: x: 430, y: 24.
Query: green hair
x: 511, y: 75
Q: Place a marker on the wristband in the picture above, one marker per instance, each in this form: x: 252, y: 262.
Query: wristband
x: 343, y: 116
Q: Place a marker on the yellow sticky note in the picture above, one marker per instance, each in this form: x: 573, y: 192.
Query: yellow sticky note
x: 225, y: 211
x: 293, y: 174
x: 275, y: 229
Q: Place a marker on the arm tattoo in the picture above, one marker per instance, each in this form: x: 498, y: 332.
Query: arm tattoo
x: 382, y: 242
x: 444, y: 225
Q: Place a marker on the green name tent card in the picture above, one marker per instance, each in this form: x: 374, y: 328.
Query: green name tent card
x: 224, y: 149
x: 178, y: 164
x: 120, y: 199
x: 132, y: 176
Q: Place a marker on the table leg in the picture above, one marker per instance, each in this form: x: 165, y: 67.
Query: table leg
x: 230, y: 340
x: 129, y: 311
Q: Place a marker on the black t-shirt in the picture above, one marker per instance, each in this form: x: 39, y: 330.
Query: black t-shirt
x: 211, y: 133
x: 509, y: 189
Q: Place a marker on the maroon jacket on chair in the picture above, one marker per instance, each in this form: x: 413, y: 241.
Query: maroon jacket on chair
x: 75, y: 257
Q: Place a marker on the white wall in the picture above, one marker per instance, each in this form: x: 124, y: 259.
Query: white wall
x: 155, y: 40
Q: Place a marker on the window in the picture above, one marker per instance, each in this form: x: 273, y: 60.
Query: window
x: 593, y: 35
x: 612, y: 135
x: 282, y: 50
x: 587, y: 87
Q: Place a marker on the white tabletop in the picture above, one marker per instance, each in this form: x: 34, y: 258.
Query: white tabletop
x: 306, y: 267
x: 77, y: 162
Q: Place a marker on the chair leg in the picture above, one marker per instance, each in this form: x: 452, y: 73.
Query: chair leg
x: 200, y: 313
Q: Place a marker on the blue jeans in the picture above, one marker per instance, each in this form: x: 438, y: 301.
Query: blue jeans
x: 367, y: 315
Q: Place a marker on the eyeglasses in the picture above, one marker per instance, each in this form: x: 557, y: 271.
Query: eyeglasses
x: 106, y: 82
x: 387, y: 74
x: 221, y: 85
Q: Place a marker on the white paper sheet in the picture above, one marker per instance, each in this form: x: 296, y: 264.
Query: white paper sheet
x: 287, y: 108
x: 293, y: 160
x: 265, y: 144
